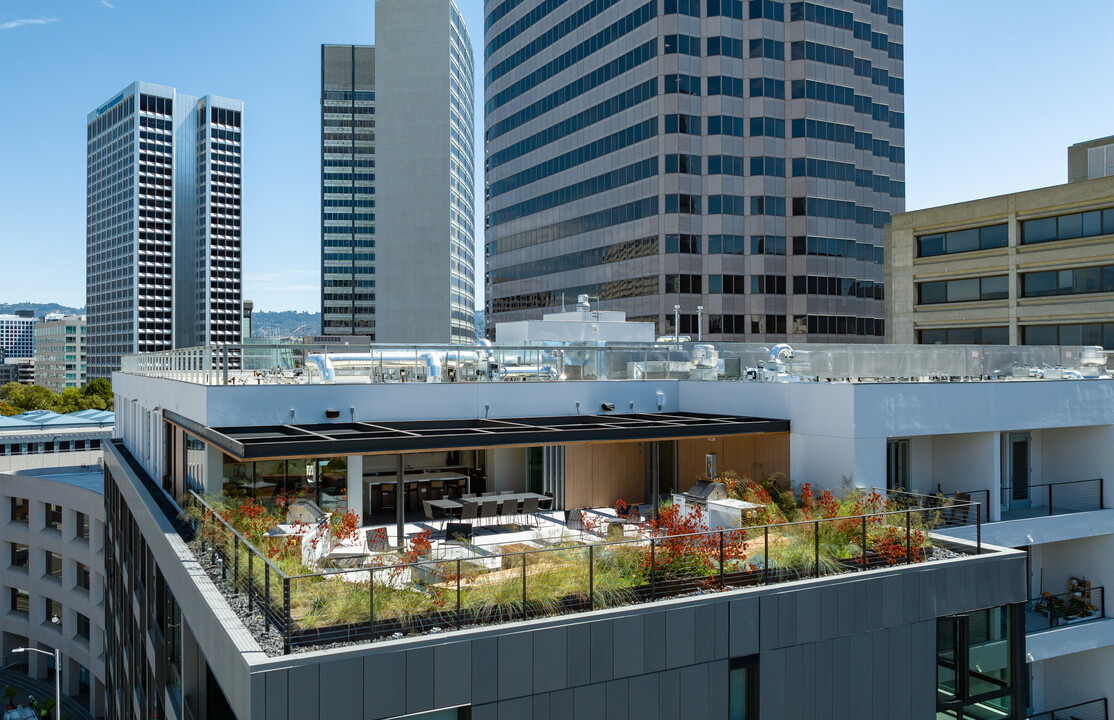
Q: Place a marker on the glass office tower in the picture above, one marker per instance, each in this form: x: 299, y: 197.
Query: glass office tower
x: 348, y: 190
x: 397, y: 259
x: 164, y: 223
x: 736, y: 159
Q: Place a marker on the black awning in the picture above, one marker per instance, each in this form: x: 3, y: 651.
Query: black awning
x: 366, y: 438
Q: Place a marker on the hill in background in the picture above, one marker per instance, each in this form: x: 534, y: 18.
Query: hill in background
x: 40, y: 308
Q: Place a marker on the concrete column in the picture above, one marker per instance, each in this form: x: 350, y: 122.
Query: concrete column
x: 356, y: 485
x: 214, y: 470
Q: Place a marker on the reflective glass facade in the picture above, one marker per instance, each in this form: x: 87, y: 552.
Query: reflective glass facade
x: 697, y: 118
x: 348, y: 189
x: 164, y: 223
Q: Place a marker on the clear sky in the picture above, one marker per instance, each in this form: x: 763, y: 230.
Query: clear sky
x: 995, y: 91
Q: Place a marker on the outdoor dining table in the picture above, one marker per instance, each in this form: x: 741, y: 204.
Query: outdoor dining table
x: 455, y: 505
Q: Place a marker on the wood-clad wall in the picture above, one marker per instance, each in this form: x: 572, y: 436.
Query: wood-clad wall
x: 757, y: 456
x: 598, y: 474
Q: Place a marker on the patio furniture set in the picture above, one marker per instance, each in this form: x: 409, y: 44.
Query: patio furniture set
x: 488, y: 508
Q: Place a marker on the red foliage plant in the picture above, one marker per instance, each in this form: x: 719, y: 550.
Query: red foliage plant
x: 685, y: 546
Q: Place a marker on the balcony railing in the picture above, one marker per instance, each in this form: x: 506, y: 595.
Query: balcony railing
x: 438, y: 594
x: 1050, y: 611
x: 253, y: 363
x: 968, y: 508
x: 1056, y: 498
x: 1093, y: 710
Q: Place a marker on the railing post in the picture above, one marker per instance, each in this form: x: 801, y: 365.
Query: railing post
x: 1049, y: 498
x: 266, y: 597
x: 523, y: 586
x: 236, y: 560
x: 908, y: 540
x: 766, y: 554
x: 286, y: 616
x: 1102, y: 504
x: 864, y: 542
x: 978, y: 534
x: 591, y: 577
x: 721, y: 583
x: 251, y: 579
x: 653, y: 573
x: 371, y: 601
x: 458, y: 593
x: 816, y: 547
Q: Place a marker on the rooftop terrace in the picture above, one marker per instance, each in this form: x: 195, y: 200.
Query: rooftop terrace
x: 332, y: 581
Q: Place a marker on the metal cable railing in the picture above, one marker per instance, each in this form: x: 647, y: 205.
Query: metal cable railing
x: 1093, y: 710
x: 364, y: 603
x: 1049, y: 611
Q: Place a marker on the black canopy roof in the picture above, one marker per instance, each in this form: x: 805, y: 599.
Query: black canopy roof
x: 365, y: 438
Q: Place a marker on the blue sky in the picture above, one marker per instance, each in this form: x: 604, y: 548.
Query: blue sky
x: 995, y: 92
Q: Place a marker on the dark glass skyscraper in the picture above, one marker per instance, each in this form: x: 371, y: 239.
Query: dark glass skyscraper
x: 738, y: 159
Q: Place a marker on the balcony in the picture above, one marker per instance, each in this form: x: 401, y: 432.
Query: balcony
x: 1093, y: 710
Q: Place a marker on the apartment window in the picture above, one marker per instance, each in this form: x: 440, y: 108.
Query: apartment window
x: 1085, y: 334
x: 18, y: 556
x: 52, y: 609
x: 979, y: 662
x: 53, y: 520
x: 727, y: 324
x: 946, y: 291
x: 965, y: 336
x: 742, y: 688
x: 19, y: 510
x: 1068, y: 227
x: 82, y: 580
x: 774, y: 324
x: 683, y: 284
x: 53, y: 564
x: 81, y: 520
x: 683, y: 244
x: 20, y: 601
x: 82, y: 626
x: 1077, y: 281
x: 957, y: 241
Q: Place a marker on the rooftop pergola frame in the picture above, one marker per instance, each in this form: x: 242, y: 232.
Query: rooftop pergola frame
x: 402, y: 438
x: 273, y: 442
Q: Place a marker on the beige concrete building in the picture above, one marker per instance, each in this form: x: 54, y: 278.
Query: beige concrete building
x: 1028, y: 268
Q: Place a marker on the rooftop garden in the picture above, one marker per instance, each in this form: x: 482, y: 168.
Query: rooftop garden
x: 301, y: 595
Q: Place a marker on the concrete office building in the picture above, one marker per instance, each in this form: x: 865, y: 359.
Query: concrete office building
x: 1033, y: 268
x: 861, y: 644
x: 17, y: 335
x: 740, y: 156
x: 164, y: 224
x: 60, y: 352
x: 52, y: 566
x: 397, y: 178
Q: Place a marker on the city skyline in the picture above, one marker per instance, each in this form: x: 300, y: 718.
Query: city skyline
x: 956, y: 146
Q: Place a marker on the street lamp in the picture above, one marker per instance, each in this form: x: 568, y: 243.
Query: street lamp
x: 57, y: 671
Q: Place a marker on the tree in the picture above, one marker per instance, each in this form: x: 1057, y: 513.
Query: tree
x: 99, y: 388
x: 7, y: 410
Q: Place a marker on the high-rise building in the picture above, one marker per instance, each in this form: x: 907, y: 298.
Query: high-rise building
x: 736, y: 159
x: 17, y: 335
x: 164, y: 224
x: 60, y: 352
x: 397, y: 179
x: 347, y: 189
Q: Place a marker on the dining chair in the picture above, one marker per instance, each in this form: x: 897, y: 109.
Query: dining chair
x: 489, y: 509
x: 508, y: 508
x: 530, y: 507
x: 427, y: 508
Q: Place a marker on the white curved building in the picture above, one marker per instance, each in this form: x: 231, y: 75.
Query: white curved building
x: 52, y: 565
